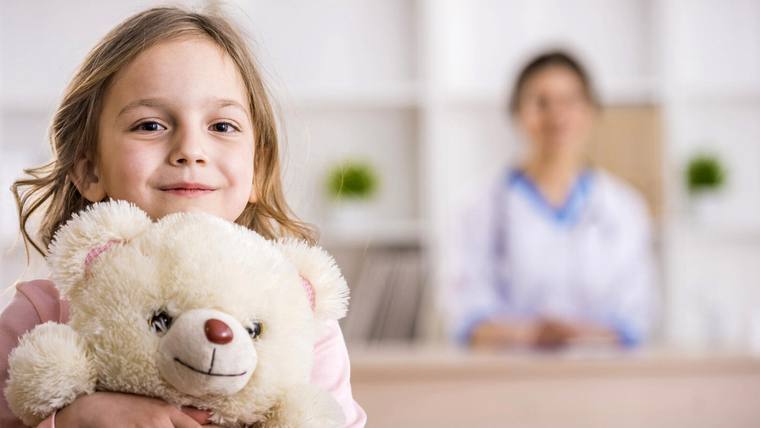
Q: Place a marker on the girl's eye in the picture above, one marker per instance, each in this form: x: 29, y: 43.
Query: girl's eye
x: 150, y: 127
x: 224, y: 127
x: 254, y: 330
x: 160, y: 322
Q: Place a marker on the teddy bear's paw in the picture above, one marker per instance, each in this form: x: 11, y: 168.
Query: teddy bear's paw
x: 48, y: 370
x: 306, y: 406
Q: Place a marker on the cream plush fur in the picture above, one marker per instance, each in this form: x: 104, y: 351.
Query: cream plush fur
x: 186, y: 268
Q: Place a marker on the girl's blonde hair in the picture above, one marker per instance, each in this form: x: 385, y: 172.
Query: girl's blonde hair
x: 74, y: 130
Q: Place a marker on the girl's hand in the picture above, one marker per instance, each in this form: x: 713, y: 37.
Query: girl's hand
x: 110, y: 409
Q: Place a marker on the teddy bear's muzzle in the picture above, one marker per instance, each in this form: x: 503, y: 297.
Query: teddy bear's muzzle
x: 206, y: 352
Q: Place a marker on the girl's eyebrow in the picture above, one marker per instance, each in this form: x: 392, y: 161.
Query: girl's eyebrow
x: 223, y: 102
x: 143, y: 102
x: 158, y: 102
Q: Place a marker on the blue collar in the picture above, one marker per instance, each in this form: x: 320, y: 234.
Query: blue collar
x: 566, y: 214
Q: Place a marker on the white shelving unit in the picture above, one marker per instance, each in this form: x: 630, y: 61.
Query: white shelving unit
x: 345, y: 76
x: 418, y: 88
x: 711, y: 97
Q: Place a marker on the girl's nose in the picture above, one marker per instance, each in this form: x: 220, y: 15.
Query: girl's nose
x: 218, y: 332
x: 187, y: 151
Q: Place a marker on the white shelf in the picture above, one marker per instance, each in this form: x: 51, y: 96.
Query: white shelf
x: 382, y: 96
x: 387, y: 233
x: 706, y: 233
x: 727, y: 92
x: 631, y: 91
x: 623, y: 92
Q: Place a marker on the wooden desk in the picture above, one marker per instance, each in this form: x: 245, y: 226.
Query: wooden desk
x: 402, y: 387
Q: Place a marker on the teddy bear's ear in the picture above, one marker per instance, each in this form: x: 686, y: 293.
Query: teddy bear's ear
x: 324, y: 284
x: 77, y: 244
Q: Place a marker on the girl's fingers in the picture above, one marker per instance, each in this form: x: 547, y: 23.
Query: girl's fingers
x: 180, y: 420
x: 200, y: 416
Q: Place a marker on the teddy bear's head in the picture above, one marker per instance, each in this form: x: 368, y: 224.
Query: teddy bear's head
x: 192, y: 308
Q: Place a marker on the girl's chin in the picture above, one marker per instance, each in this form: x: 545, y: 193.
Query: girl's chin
x: 185, y: 207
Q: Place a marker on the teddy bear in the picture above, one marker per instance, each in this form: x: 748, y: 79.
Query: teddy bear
x: 191, y: 309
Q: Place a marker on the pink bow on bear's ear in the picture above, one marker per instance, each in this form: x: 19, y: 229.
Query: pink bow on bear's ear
x: 325, y: 286
x: 97, y: 251
x: 309, y: 292
x: 87, y: 235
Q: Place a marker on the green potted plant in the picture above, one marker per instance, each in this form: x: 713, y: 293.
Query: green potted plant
x: 351, y: 185
x: 705, y: 176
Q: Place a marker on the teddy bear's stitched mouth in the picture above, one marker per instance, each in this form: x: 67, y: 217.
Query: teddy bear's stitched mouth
x: 208, y: 373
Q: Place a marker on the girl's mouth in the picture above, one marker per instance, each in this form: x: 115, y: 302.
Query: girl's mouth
x: 188, y: 189
x: 188, y: 192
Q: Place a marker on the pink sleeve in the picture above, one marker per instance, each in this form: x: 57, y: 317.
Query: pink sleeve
x: 332, y: 371
x: 20, y: 316
x: 48, y: 423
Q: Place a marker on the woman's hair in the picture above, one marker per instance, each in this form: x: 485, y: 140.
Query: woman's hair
x: 73, y: 133
x: 548, y: 60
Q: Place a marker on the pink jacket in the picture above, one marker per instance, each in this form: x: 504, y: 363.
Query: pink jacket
x: 38, y: 301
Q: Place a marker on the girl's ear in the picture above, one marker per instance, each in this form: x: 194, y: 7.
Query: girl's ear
x: 86, y: 180
x: 78, y: 244
x: 326, y: 288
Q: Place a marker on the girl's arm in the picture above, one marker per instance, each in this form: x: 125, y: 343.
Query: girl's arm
x: 20, y: 316
x: 332, y: 371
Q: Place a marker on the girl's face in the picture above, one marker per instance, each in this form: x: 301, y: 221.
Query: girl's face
x: 555, y: 114
x: 175, y: 133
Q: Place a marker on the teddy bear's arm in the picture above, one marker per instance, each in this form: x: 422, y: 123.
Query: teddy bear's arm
x: 48, y: 370
x: 306, y: 406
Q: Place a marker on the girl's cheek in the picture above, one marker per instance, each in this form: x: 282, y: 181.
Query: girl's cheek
x: 130, y: 160
x: 241, y: 160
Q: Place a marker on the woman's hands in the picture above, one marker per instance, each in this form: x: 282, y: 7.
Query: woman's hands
x: 110, y: 409
x: 543, y: 334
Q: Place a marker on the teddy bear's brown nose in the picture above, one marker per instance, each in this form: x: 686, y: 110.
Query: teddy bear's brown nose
x: 218, y: 332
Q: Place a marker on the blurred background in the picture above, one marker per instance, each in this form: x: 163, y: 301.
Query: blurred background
x: 410, y: 96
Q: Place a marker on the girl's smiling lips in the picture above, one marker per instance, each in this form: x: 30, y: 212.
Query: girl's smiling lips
x: 187, y: 189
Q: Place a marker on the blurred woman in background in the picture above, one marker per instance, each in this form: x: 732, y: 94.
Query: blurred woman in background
x: 555, y: 252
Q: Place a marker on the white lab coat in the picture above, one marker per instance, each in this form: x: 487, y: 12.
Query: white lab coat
x: 590, y: 260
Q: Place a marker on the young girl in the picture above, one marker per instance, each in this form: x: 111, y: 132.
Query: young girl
x: 169, y: 112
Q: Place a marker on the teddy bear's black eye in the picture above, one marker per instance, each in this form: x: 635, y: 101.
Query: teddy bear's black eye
x: 161, y: 322
x: 254, y: 330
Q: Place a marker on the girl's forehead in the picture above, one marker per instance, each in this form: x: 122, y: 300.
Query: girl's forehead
x: 183, y: 71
